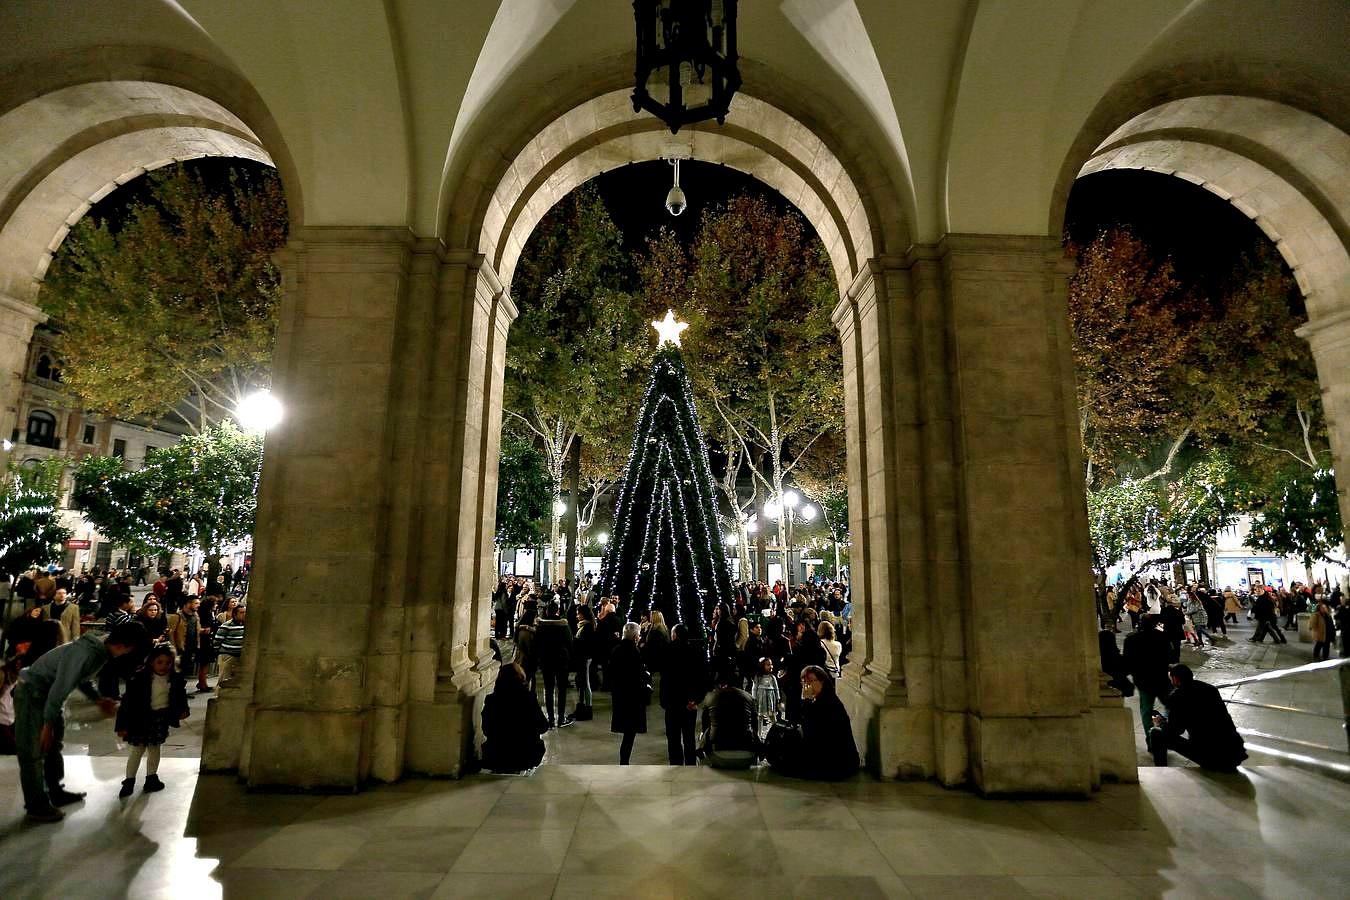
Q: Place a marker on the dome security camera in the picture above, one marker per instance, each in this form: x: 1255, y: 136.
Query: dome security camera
x: 675, y: 201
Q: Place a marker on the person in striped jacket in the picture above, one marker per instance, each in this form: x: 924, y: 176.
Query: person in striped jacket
x: 229, y: 643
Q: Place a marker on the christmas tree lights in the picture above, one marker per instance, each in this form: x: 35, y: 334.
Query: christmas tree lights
x: 666, y: 550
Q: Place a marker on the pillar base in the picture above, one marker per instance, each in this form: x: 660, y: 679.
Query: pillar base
x: 223, y: 733
x: 442, y: 732
x: 1032, y: 755
x: 307, y: 749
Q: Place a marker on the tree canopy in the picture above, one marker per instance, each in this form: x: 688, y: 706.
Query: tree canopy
x: 201, y: 493
x: 31, y: 533
x: 171, y: 310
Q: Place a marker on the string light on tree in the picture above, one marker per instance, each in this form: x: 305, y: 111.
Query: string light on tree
x: 666, y: 551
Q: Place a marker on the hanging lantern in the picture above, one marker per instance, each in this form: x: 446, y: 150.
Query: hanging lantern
x: 686, y: 60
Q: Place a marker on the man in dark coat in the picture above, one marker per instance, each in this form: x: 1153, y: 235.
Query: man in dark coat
x: 1147, y: 655
x: 1173, y: 626
x: 1267, y: 620
x: 1196, y: 710
x: 512, y: 724
x: 553, y: 650
x: 684, y: 681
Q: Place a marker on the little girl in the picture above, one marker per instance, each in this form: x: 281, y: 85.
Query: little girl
x: 156, y: 699
x: 766, y: 692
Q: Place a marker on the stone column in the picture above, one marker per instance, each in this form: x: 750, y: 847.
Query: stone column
x: 1026, y: 596
x: 312, y: 705
x: 905, y: 696
x: 1329, y: 337
x: 17, y: 321
x: 452, y: 664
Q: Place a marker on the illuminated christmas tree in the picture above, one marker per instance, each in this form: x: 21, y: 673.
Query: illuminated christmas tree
x: 666, y: 552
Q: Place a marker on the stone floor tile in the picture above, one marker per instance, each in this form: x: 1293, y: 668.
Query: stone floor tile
x: 1191, y: 887
x: 806, y: 812
x: 449, y: 809
x: 926, y: 852
x: 400, y: 885
x: 1074, y: 887
x: 516, y: 812
x: 715, y: 812
x: 491, y: 886
x: 268, y: 884
x: 540, y: 851
x: 804, y: 854
x: 408, y: 849
x: 1035, y: 854
x: 638, y: 884
x: 607, y: 814
x: 945, y: 887
x: 307, y: 846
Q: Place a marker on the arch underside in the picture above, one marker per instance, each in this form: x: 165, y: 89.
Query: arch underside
x: 605, y: 133
x: 68, y: 149
x: 1285, y: 169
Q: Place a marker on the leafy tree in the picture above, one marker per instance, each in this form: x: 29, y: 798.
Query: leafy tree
x: 172, y: 311
x: 523, y: 492
x: 1301, y: 518
x: 31, y: 533
x: 201, y: 493
x: 578, y: 343
x: 757, y: 290
x: 1163, y: 519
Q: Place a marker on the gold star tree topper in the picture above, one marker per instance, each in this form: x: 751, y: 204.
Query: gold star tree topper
x: 668, y: 330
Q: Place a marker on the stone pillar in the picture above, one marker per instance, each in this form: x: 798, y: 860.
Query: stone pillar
x: 17, y: 321
x: 1026, y: 599
x: 311, y: 705
x: 1329, y: 337
x: 452, y: 663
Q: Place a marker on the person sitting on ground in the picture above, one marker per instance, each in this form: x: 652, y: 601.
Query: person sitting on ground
x: 512, y: 724
x: 730, y: 733
x: 825, y: 749
x: 1197, y: 710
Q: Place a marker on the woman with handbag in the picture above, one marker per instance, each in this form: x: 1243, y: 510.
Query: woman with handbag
x: 631, y: 687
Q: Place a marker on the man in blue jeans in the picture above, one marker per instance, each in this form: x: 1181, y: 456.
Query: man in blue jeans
x: 39, y: 723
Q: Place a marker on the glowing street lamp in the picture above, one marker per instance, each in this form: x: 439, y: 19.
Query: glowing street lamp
x: 602, y: 538
x: 731, y: 540
x: 259, y: 411
x: 559, y: 508
x: 808, y: 513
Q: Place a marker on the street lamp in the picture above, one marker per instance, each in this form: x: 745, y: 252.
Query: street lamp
x: 602, y: 538
x: 259, y: 411
x: 785, y: 510
x: 559, y: 508
x: 808, y: 513
x: 731, y: 540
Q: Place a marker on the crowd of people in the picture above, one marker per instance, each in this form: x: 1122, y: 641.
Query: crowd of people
x: 90, y: 634
x: 756, y: 683
x: 1164, y: 617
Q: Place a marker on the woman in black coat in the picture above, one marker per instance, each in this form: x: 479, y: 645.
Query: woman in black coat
x: 512, y: 724
x: 825, y: 749
x: 630, y: 686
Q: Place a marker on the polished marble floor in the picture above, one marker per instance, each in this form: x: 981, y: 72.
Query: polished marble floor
x: 655, y: 831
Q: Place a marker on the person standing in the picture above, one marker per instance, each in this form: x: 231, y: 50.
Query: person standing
x: 156, y: 701
x: 229, y: 642
x: 39, y: 722
x: 1147, y: 655
x: 1322, y: 629
x: 184, y: 634
x: 630, y: 685
x: 583, y: 651
x: 684, y: 681
x: 1231, y: 607
x: 552, y: 649
x: 68, y: 614
x: 1267, y: 619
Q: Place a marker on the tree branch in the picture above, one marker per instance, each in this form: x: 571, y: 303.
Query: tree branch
x: 1166, y: 467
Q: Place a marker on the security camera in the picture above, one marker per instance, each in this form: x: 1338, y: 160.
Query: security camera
x: 675, y: 202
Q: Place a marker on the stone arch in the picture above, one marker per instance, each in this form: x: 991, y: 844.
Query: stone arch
x: 848, y: 203
x: 1282, y: 165
x: 68, y: 149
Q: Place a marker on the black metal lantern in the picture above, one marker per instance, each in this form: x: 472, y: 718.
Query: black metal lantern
x: 686, y: 60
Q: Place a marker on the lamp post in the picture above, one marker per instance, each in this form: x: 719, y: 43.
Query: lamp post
x: 685, y: 70
x: 785, y: 510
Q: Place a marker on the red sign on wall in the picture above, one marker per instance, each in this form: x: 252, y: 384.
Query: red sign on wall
x: 77, y: 544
